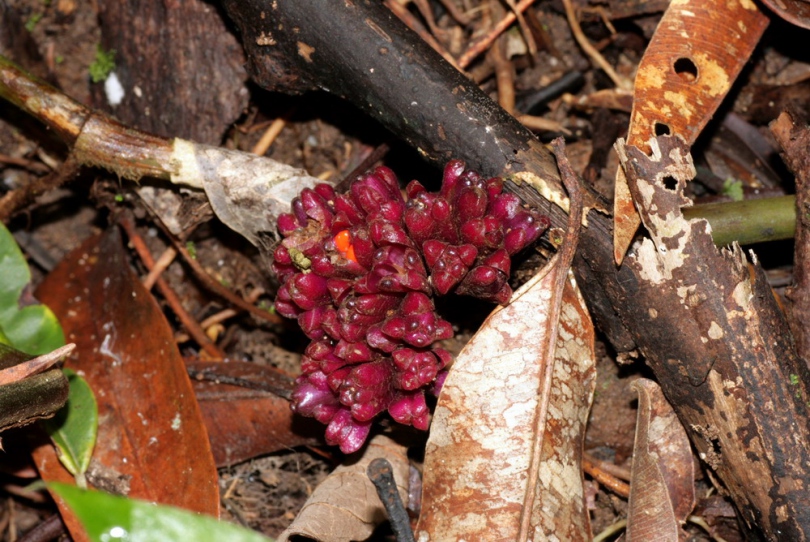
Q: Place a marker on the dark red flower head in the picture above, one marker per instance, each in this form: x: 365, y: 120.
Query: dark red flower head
x: 358, y: 270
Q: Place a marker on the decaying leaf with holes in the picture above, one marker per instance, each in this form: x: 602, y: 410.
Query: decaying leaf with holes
x: 695, y: 55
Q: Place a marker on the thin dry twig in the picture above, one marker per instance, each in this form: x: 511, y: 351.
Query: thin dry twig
x: 605, y: 478
x: 164, y: 261
x: 269, y: 136
x: 30, y: 165
x: 220, y: 290
x: 542, y: 124
x: 410, y: 21
x: 15, y: 200
x: 618, y: 80
x: 483, y: 44
x: 168, y: 294
x: 504, y: 76
x: 524, y: 27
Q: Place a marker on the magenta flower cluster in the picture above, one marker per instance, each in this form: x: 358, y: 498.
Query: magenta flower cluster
x: 359, y: 271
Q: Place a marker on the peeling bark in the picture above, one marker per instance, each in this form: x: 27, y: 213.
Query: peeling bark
x: 710, y: 328
x: 795, y: 143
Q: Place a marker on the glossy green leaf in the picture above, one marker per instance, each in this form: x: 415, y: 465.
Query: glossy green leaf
x: 28, y: 325
x: 75, y: 427
x: 108, y: 518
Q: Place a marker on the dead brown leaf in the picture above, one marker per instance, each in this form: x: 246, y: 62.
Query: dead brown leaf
x: 480, y: 448
x: 152, y: 443
x: 662, y: 489
x: 243, y: 416
x: 695, y: 55
x: 345, y: 506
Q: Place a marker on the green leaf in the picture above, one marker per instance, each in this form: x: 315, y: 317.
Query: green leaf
x: 28, y: 325
x: 108, y: 518
x: 75, y: 427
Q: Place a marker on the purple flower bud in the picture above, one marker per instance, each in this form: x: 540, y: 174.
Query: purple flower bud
x: 416, y: 368
x: 409, y: 408
x: 308, y: 290
x: 448, y: 264
x: 471, y: 203
x: 312, y: 397
x: 346, y: 432
x: 316, y: 208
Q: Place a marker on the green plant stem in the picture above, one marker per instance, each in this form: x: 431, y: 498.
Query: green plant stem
x: 749, y: 221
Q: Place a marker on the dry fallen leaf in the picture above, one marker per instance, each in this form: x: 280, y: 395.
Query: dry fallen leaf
x: 244, y: 412
x: 662, y: 488
x: 345, y: 506
x: 152, y: 443
x: 695, y: 55
x: 503, y: 460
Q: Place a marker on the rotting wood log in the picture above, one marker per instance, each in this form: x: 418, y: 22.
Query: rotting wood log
x: 795, y: 142
x: 742, y: 397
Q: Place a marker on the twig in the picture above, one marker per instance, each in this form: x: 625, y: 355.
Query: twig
x: 161, y: 264
x: 610, y: 530
x: 50, y: 529
x: 524, y: 27
x: 209, y: 375
x: 590, y: 50
x: 217, y: 288
x: 622, y: 473
x: 410, y: 21
x: 30, y: 165
x: 542, y: 124
x: 13, y: 201
x: 269, y: 136
x: 376, y: 155
x: 168, y: 294
x: 36, y: 365
x: 605, y: 478
x: 483, y: 44
x: 381, y: 474
x: 504, y: 76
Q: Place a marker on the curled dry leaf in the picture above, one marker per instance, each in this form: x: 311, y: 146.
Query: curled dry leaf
x: 345, y: 506
x: 481, y: 443
x: 662, y: 488
x: 152, y: 443
x: 695, y: 55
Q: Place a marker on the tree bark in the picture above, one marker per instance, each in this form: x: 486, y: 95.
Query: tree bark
x: 180, y: 68
x: 742, y: 397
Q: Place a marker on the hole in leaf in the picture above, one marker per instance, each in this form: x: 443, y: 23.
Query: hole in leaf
x: 670, y: 183
x: 661, y: 129
x: 686, y: 69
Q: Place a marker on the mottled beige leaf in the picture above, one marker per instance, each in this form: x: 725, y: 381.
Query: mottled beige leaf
x: 345, y: 506
x: 662, y: 488
x: 492, y: 428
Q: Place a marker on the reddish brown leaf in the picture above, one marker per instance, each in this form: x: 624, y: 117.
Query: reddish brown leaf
x: 695, y: 55
x: 481, y: 448
x: 151, y: 437
x: 662, y: 489
x: 243, y: 416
